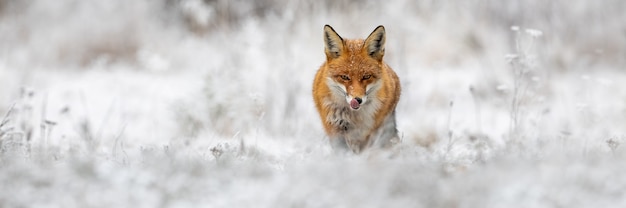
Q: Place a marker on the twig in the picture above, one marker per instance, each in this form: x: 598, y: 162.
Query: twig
x: 117, y: 140
x: 450, y: 133
x: 477, y: 113
x: 6, y: 119
x: 105, y: 120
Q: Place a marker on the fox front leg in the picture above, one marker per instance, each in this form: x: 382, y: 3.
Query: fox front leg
x: 355, y: 145
x: 338, y: 143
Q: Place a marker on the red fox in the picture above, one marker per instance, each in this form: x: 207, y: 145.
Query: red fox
x: 356, y: 93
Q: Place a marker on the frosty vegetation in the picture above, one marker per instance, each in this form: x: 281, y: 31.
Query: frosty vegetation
x: 192, y: 103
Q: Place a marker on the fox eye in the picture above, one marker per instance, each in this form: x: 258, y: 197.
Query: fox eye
x: 367, y: 77
x: 345, y: 77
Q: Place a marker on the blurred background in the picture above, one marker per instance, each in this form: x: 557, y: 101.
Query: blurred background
x: 480, y: 78
x: 188, y: 67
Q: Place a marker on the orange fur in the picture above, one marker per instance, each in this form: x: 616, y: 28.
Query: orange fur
x: 361, y: 62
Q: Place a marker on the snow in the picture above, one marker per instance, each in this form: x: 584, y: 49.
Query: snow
x: 208, y: 104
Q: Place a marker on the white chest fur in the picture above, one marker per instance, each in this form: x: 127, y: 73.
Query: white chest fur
x: 354, y: 127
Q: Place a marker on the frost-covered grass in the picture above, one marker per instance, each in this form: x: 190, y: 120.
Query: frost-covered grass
x: 207, y: 104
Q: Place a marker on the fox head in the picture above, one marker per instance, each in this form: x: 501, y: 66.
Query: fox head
x: 354, y: 66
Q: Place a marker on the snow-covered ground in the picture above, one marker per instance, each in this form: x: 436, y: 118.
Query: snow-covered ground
x: 192, y: 103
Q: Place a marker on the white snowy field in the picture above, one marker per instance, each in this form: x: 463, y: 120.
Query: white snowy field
x: 191, y: 103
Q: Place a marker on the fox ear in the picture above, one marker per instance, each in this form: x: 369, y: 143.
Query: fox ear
x: 333, y: 43
x: 375, y: 43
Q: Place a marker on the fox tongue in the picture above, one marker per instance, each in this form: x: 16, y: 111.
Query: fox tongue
x: 354, y: 104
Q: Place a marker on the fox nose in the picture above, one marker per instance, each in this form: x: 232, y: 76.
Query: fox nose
x: 358, y: 99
